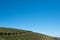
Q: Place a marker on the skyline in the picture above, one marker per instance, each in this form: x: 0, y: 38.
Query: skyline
x: 42, y: 16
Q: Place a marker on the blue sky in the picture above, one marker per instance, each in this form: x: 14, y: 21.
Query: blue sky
x: 41, y: 16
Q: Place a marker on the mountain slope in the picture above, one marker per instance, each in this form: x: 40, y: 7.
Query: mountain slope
x: 15, y: 34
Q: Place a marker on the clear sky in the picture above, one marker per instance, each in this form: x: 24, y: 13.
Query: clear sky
x: 41, y: 16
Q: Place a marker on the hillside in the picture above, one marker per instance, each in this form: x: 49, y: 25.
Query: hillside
x: 18, y: 34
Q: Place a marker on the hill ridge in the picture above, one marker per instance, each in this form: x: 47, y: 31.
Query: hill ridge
x: 19, y: 34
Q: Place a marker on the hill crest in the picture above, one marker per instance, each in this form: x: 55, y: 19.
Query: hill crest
x: 23, y: 35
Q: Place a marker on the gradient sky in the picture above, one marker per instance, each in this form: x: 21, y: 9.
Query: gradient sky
x: 41, y: 16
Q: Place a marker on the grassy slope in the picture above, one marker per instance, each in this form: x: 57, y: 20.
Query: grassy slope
x: 26, y: 35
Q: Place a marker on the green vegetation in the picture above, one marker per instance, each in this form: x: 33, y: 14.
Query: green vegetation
x: 15, y: 34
